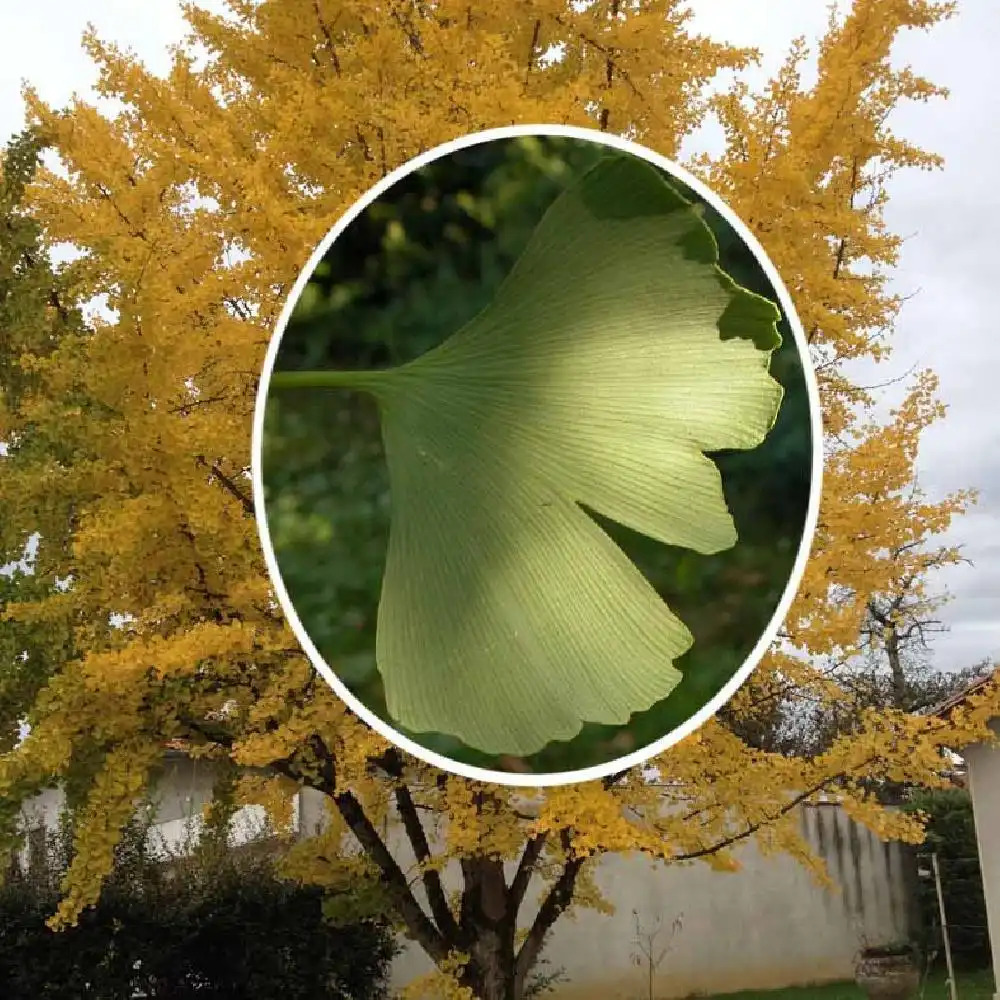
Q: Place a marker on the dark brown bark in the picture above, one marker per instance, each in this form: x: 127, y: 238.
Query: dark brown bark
x: 553, y: 907
x: 417, y: 836
x: 488, y: 925
x: 609, y: 73
x: 895, y: 666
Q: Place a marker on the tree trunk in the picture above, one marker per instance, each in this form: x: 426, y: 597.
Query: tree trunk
x: 485, y: 929
x: 490, y: 972
x: 488, y: 923
x: 899, y: 692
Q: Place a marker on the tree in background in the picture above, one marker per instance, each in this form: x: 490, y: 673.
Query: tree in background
x: 195, y: 207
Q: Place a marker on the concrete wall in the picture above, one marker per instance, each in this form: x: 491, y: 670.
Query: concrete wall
x: 984, y: 785
x: 769, y: 925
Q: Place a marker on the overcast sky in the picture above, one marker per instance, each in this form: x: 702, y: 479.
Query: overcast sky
x: 951, y: 217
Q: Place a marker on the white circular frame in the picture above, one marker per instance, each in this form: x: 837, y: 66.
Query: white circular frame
x: 643, y: 755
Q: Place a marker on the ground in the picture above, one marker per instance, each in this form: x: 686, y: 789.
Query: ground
x: 971, y: 986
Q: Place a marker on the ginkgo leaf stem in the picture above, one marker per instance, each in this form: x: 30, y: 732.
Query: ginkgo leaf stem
x: 363, y: 380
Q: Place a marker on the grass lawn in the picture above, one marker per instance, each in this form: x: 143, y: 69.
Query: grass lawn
x: 971, y: 986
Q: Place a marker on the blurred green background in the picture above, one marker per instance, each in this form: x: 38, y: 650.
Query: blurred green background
x: 408, y: 272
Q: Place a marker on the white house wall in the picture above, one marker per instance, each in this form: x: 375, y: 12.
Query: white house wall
x: 178, y: 796
x: 984, y: 785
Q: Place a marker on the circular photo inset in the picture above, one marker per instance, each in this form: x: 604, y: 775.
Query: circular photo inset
x: 536, y: 455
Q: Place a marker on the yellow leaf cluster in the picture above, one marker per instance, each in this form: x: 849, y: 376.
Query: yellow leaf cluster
x: 441, y: 984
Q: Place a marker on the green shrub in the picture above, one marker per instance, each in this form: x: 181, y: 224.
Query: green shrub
x: 951, y: 835
x: 212, y: 926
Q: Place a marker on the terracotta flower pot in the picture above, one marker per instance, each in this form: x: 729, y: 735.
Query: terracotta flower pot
x: 887, y: 977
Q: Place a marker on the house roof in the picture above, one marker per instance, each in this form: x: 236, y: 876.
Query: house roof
x: 176, y: 748
x: 959, y: 697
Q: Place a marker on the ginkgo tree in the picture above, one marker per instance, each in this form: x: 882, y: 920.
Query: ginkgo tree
x: 613, y: 358
x: 194, y: 205
x: 37, y: 312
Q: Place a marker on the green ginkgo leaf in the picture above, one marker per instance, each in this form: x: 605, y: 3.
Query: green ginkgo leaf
x: 614, y: 357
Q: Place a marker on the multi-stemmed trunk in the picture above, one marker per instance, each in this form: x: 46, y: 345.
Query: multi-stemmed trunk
x: 498, y: 965
x: 491, y: 971
x: 485, y: 928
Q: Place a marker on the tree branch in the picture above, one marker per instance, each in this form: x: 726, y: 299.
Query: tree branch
x: 417, y: 922
x: 532, y: 48
x: 553, y: 906
x: 353, y: 814
x: 184, y: 409
x: 327, y: 37
x: 407, y: 28
x: 431, y: 878
x: 751, y: 828
x: 228, y: 484
x: 526, y: 868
